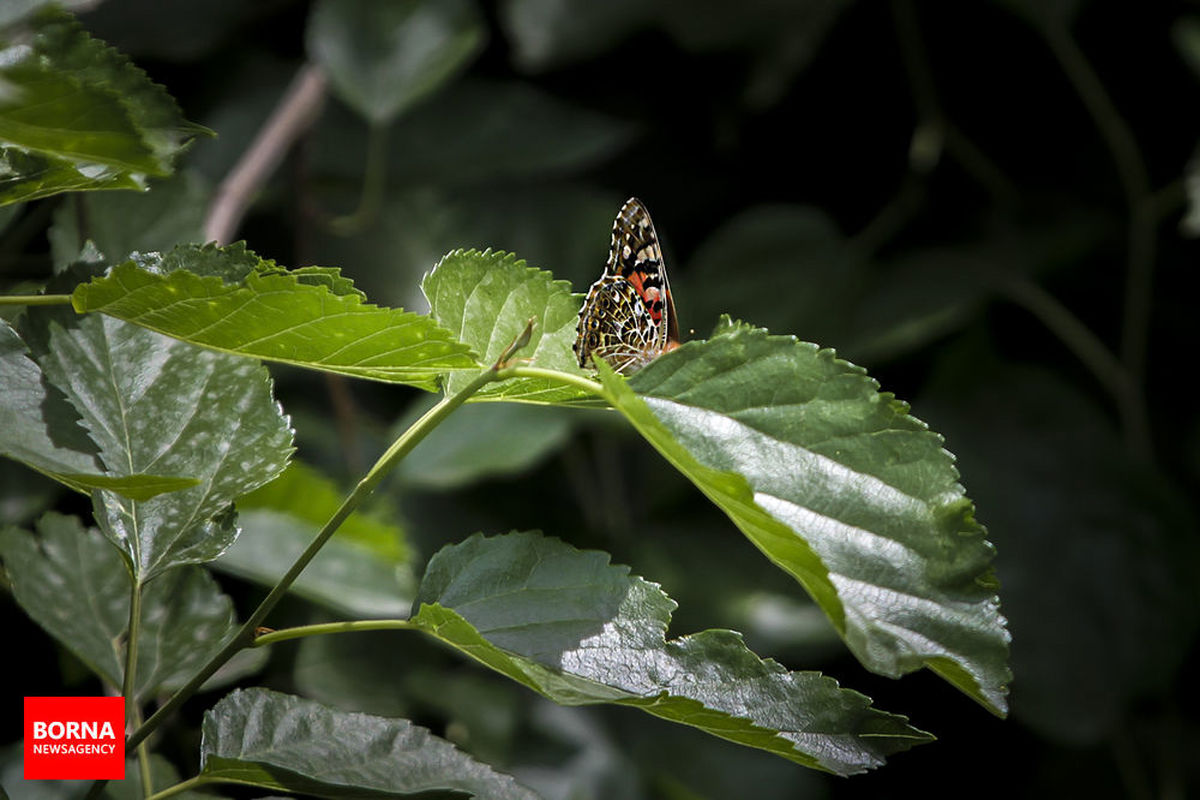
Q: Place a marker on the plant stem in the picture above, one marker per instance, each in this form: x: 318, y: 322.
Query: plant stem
x: 133, y: 713
x: 129, y: 684
x: 374, y: 180
x: 300, y: 631
x: 35, y: 300
x: 294, y: 114
x: 1088, y: 348
x: 245, y: 635
x: 1136, y: 183
x: 578, y: 381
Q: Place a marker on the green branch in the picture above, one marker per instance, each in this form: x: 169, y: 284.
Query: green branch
x: 326, y: 628
x: 35, y: 300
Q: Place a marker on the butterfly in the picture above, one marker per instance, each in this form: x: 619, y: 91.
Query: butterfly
x: 628, y: 318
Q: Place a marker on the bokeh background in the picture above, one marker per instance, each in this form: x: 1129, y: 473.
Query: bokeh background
x: 986, y: 204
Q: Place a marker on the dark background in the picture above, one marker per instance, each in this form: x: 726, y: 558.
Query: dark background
x: 945, y: 193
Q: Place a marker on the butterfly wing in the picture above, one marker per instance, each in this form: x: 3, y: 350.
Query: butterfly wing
x: 636, y: 256
x: 628, y: 318
x: 616, y: 326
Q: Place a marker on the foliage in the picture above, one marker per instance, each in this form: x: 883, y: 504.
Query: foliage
x: 362, y: 452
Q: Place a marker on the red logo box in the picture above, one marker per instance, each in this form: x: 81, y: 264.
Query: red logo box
x: 75, y: 738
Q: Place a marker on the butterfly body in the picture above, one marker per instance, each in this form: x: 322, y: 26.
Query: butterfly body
x: 628, y: 318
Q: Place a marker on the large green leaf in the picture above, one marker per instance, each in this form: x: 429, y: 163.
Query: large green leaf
x: 276, y: 741
x: 75, y: 114
x: 384, y: 55
x: 571, y: 626
x: 840, y: 487
x: 40, y: 430
x: 227, y: 298
x: 485, y: 299
x: 75, y: 585
x: 155, y: 404
x: 365, y: 570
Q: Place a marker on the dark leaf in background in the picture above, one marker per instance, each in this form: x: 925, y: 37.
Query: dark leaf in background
x: 383, y: 56
x: 485, y: 440
x: 1095, y: 548
x: 73, y: 583
x: 364, y: 571
x: 170, y: 213
x: 794, y: 253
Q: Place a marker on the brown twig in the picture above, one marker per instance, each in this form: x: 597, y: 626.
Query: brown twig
x: 295, y: 113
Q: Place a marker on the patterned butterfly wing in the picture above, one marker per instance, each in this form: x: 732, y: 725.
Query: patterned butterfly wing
x: 616, y: 325
x: 628, y: 318
x: 636, y: 255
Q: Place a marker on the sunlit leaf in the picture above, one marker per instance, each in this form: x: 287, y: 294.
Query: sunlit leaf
x: 156, y: 405
x: 41, y: 430
x: 228, y: 299
x: 569, y: 625
x: 840, y: 487
x: 486, y: 298
x: 75, y: 114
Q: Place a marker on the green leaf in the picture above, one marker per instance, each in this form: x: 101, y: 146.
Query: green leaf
x: 135, y: 487
x: 154, y: 404
x: 357, y: 672
x: 485, y: 299
x: 382, y: 56
x: 276, y: 741
x: 516, y: 132
x: 37, y: 427
x: 75, y: 114
x: 228, y: 299
x: 550, y: 223
x: 574, y: 628
x: 365, y: 570
x: 548, y: 33
x: 481, y: 441
x: 40, y: 430
x: 75, y: 585
x: 163, y: 773
x: 840, y: 487
x: 170, y: 213
x: 797, y: 252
